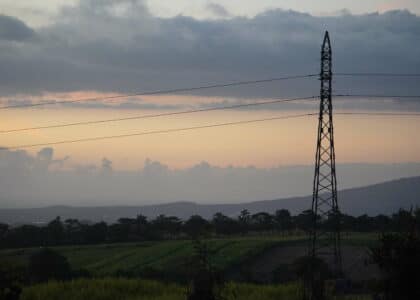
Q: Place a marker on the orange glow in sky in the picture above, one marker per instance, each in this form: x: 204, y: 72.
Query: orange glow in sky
x: 267, y: 144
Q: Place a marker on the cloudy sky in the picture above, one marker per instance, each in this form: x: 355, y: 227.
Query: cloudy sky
x: 42, y: 12
x: 68, y: 50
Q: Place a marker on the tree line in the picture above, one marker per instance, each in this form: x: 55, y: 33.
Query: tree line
x: 73, y: 232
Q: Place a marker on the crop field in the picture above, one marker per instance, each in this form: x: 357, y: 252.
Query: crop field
x: 108, y: 259
x: 167, y: 256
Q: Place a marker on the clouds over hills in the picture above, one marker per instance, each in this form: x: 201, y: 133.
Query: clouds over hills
x: 41, y: 180
x: 119, y: 46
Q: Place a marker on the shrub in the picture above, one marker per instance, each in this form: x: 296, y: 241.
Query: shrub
x: 47, y: 264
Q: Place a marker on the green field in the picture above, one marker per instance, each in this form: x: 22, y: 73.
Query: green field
x: 111, y: 259
x: 167, y: 256
x: 111, y: 266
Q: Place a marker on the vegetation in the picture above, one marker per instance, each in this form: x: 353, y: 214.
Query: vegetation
x: 10, y: 282
x: 398, y: 256
x: 165, y: 261
x: 116, y: 289
x: 104, y: 289
x: 159, y: 259
x: 206, y: 283
x: 47, y: 264
x: 229, y: 247
x: 74, y: 232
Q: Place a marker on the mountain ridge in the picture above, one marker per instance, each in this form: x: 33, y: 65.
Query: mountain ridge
x: 381, y: 198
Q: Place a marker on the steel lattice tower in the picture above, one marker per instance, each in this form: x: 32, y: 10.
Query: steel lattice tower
x: 325, y: 234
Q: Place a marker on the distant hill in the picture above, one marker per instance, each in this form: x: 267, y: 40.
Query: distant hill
x: 384, y: 198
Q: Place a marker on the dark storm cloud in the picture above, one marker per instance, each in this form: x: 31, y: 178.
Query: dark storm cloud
x: 12, y: 29
x: 118, y: 46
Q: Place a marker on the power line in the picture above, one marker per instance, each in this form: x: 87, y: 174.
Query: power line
x: 214, y: 109
x: 201, y: 127
x: 376, y: 96
x: 158, y: 131
x: 378, y: 74
x: 378, y: 114
x: 157, y: 115
x: 160, y: 92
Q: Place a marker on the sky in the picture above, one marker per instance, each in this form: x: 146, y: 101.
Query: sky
x: 70, y: 50
x: 42, y: 12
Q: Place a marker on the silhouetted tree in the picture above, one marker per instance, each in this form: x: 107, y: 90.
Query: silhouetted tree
x: 73, y: 231
x: 244, y: 220
x: 196, y: 226
x: 403, y: 220
x: 142, y: 225
x: 347, y: 222
x: 398, y: 257
x: 224, y: 225
x: 364, y: 223
x: 26, y: 236
x: 305, y: 220
x: 166, y: 225
x: 262, y: 221
x: 96, y: 233
x: 382, y: 223
x: 417, y: 220
x: 120, y: 231
x: 283, y: 219
x: 47, y: 264
x: 55, y: 232
x: 4, y: 229
x: 332, y: 221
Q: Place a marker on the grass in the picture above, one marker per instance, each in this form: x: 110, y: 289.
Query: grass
x: 104, y: 289
x: 116, y: 289
x: 133, y: 258
x: 107, y: 260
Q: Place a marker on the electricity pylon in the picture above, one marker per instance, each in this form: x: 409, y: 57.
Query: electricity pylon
x: 325, y: 233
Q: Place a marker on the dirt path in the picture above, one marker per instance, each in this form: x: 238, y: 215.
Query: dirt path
x: 274, y: 264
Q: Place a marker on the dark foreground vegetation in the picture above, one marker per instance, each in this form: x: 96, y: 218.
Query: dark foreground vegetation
x: 118, y: 289
x: 75, y: 232
x: 222, y: 258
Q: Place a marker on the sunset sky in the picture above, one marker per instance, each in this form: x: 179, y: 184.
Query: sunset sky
x: 70, y: 50
x: 369, y: 139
